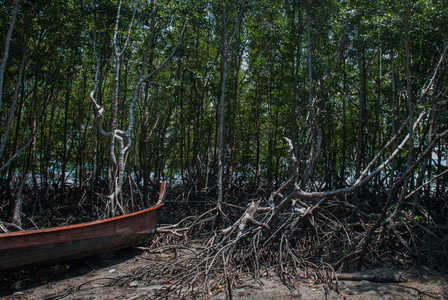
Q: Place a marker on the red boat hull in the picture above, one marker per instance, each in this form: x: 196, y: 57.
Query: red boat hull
x: 54, y: 244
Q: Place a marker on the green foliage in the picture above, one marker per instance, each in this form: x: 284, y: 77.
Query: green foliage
x: 417, y: 218
x: 266, y: 93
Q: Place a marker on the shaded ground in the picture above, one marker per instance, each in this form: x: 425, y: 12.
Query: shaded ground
x: 108, y: 277
x: 116, y: 275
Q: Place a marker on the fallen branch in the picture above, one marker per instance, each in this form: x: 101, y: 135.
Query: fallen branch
x: 393, y: 278
x: 248, y: 218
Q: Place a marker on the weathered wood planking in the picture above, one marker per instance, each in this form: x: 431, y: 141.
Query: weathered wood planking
x: 58, y: 243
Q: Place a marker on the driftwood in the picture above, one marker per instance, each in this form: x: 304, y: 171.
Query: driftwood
x: 248, y: 218
x: 393, y: 278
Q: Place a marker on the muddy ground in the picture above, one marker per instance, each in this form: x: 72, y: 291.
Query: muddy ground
x: 107, y: 277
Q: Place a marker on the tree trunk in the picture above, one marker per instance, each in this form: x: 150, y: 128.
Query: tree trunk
x: 393, y: 109
x: 66, y: 116
x: 408, y: 93
x: 376, y: 140
x: 232, y: 148
x: 224, y: 54
x: 17, y: 216
x: 360, y: 150
x: 6, y: 49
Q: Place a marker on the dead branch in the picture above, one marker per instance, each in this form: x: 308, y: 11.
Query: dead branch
x: 162, y: 192
x: 393, y: 278
x: 248, y: 218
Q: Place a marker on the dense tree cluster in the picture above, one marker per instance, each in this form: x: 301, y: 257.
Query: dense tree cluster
x: 100, y: 94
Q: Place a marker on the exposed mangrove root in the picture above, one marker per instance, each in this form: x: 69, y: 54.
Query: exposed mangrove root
x: 295, y: 234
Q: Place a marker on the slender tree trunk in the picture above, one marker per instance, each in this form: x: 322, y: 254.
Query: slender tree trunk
x: 408, y: 85
x: 17, y: 216
x: 6, y: 48
x: 376, y: 141
x: 439, y: 182
x: 409, y: 180
x: 15, y: 95
x: 224, y: 54
x: 393, y: 109
x: 360, y: 148
x: 344, y: 128
x: 34, y: 142
x: 143, y: 155
x: 316, y: 145
x: 258, y: 124
x: 424, y: 166
x: 270, y: 135
x: 16, y: 137
x: 236, y: 80
x: 294, y: 112
x: 66, y: 116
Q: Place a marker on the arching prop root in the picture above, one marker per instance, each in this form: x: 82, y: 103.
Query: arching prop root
x: 301, y: 231
x: 296, y: 234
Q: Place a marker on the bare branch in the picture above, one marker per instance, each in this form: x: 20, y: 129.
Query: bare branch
x: 12, y: 158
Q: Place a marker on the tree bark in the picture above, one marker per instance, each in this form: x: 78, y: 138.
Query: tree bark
x: 7, y: 45
x: 224, y: 54
x: 360, y: 150
x: 17, y: 216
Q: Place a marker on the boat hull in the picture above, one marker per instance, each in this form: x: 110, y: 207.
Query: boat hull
x: 23, y: 248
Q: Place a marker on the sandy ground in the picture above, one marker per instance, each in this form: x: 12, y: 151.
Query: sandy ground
x: 91, y: 279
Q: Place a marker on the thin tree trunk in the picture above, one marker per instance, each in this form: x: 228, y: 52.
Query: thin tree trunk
x: 294, y: 112
x: 66, y: 112
x: 316, y: 145
x: 344, y: 128
x: 222, y: 107
x: 15, y: 95
x: 376, y: 141
x: 408, y: 90
x: 7, y: 45
x: 232, y: 148
x: 360, y: 150
x: 17, y: 216
x: 393, y: 109
x: 424, y: 167
x: 270, y: 135
x: 408, y: 182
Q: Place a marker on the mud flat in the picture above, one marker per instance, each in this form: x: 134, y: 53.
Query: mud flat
x: 104, y: 277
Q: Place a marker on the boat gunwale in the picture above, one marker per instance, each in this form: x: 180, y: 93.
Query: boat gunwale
x: 77, y: 226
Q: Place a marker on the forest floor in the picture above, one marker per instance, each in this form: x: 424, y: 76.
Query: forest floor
x: 107, y: 277
x: 117, y: 275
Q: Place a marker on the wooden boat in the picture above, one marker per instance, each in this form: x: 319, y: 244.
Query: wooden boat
x: 23, y: 248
